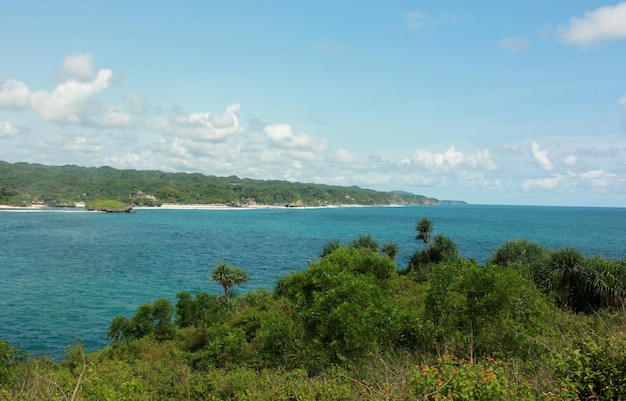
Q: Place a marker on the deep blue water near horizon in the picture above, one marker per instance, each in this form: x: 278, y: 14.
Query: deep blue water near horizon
x: 64, y: 274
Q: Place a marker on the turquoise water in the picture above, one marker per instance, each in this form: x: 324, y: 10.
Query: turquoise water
x: 64, y: 274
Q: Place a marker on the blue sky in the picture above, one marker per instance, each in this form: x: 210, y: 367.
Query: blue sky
x: 484, y: 101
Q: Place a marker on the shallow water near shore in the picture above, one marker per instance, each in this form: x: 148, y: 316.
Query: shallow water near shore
x: 64, y: 274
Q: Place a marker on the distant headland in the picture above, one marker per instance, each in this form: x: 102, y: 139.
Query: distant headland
x: 28, y: 185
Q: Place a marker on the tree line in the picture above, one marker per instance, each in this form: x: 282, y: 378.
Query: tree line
x: 21, y: 183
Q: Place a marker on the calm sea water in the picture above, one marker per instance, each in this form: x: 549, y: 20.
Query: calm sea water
x: 64, y: 274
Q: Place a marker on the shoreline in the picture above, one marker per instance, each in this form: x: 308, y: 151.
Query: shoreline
x: 29, y: 207
x: 199, y: 206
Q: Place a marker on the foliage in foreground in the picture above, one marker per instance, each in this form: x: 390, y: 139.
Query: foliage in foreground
x: 350, y: 327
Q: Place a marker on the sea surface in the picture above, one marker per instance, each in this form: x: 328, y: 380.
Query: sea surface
x: 64, y: 273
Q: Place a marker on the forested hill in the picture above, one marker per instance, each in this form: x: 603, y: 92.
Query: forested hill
x: 23, y: 183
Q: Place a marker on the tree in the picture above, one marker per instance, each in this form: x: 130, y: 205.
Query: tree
x: 390, y: 250
x: 424, y: 229
x: 162, y: 313
x: 440, y: 250
x: 228, y: 276
x: 186, y: 310
x: 329, y: 248
x: 365, y: 241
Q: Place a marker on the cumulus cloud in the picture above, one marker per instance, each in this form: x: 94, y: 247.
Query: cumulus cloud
x: 541, y: 157
x: 13, y: 94
x: 86, y: 146
x: 544, y: 183
x: 597, y: 26
x: 73, y: 101
x: 513, y: 44
x: 452, y: 158
x: 66, y: 103
x: 598, y: 179
x: 345, y: 161
x: 201, y: 126
x: 77, y: 67
x: 8, y: 129
x: 570, y: 160
x: 281, y: 135
x: 115, y: 117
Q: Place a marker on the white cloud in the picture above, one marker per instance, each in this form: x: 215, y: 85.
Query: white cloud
x: 452, y: 158
x: 544, y: 183
x: 429, y: 159
x: 77, y: 67
x: 622, y: 101
x: 66, y: 103
x: 13, y: 94
x: 596, y: 26
x: 570, y: 160
x: 513, y: 44
x: 541, y: 157
x: 598, y: 179
x: 202, y: 126
x: 74, y: 100
x: 7, y: 129
x: 116, y: 118
x: 345, y: 159
x: 86, y: 146
x: 281, y: 135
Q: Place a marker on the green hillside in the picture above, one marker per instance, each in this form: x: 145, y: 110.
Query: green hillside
x: 21, y: 183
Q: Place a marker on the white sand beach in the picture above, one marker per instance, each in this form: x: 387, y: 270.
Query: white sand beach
x: 29, y: 207
x: 171, y: 206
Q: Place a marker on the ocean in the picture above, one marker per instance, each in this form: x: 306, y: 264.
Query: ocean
x: 65, y: 273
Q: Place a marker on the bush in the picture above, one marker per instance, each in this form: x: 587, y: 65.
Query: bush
x: 461, y: 379
x: 340, y: 302
x: 480, y: 310
x: 7, y: 361
x: 594, y: 368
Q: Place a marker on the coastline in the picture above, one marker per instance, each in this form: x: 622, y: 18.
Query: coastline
x: 201, y: 206
x: 29, y: 207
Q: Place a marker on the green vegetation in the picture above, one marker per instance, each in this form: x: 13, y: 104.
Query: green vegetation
x: 228, y: 276
x: 109, y: 205
x: 531, y: 324
x: 21, y: 183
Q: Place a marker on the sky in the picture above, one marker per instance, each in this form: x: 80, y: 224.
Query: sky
x: 489, y: 102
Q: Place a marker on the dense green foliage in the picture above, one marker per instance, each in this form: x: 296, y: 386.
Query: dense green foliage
x: 350, y: 327
x: 20, y: 183
x: 107, y: 205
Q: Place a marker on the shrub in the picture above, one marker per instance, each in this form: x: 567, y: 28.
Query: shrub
x: 526, y: 257
x: 480, y: 310
x: 7, y: 362
x: 594, y: 368
x: 452, y: 378
x: 340, y: 302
